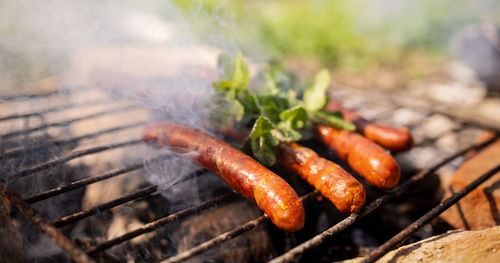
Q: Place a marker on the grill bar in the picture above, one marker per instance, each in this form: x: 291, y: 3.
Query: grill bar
x: 62, y: 92
x: 80, y: 183
x: 103, y: 207
x: 67, y: 122
x: 402, y: 236
x: 116, y: 202
x: 53, y: 109
x: 71, y: 156
x: 160, y: 222
x: 43, y: 224
x: 21, y: 151
x: 319, y: 239
x: 244, y: 228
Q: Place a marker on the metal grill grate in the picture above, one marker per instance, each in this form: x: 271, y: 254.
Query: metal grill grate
x: 85, y: 254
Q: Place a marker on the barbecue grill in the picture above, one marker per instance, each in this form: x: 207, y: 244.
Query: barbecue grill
x: 25, y: 128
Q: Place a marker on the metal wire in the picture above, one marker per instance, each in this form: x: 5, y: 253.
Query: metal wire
x: 118, y: 201
x: 67, y: 122
x: 244, y: 228
x: 160, y: 222
x: 52, y: 232
x: 320, y: 238
x: 80, y: 183
x: 402, y: 236
x: 53, y: 109
x: 71, y: 156
x: 21, y: 97
x: 103, y: 207
x: 22, y: 151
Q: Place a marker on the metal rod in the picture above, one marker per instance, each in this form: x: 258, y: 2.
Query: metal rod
x: 52, y: 109
x: 67, y: 122
x: 80, y: 183
x: 322, y: 237
x: 71, y: 156
x: 21, y: 97
x: 76, y: 253
x: 160, y: 222
x: 402, y: 236
x: 22, y: 150
x: 244, y: 228
x: 103, y: 207
x: 116, y: 202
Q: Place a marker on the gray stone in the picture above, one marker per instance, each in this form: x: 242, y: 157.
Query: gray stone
x: 456, y: 93
x: 435, y: 126
x: 408, y: 117
x: 454, y: 246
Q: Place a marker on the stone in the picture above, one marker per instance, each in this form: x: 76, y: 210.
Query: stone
x: 406, y: 117
x: 479, y: 47
x: 454, y: 246
x: 456, y: 93
x: 489, y: 110
x: 479, y: 209
x: 434, y: 126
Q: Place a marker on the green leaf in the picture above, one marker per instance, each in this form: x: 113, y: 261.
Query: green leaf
x: 296, y: 116
x: 225, y: 66
x: 226, y: 113
x: 265, y: 84
x: 271, y: 106
x: 262, y: 141
x: 261, y: 126
x: 222, y: 85
x: 315, y: 95
x: 233, y: 73
x: 294, y: 124
x: 331, y: 119
x: 249, y: 101
x: 241, y: 76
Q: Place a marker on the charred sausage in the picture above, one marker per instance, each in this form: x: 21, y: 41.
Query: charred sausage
x: 392, y: 138
x: 331, y: 180
x: 271, y: 193
x: 371, y: 161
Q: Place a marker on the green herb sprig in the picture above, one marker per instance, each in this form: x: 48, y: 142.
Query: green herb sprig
x: 276, y: 107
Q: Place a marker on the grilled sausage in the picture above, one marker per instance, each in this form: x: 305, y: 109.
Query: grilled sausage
x: 392, y: 138
x: 371, y: 161
x: 331, y: 180
x: 271, y: 193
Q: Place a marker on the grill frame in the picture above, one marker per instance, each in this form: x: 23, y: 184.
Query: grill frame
x: 80, y: 254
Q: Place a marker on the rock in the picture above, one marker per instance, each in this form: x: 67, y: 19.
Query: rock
x: 489, y: 110
x: 460, y: 72
x: 433, y: 127
x: 420, y: 157
x: 479, y: 209
x: 406, y: 117
x: 454, y: 246
x: 479, y: 47
x: 456, y: 93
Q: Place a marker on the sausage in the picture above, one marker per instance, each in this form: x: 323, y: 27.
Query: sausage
x: 392, y: 138
x: 257, y: 183
x: 331, y: 180
x: 371, y: 161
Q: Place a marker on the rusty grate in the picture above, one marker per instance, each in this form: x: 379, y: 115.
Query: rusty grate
x: 86, y: 254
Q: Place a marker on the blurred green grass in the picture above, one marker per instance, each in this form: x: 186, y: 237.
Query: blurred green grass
x: 346, y: 34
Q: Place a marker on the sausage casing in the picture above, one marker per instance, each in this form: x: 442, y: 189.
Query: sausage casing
x: 257, y: 183
x: 392, y: 138
x: 371, y: 161
x: 331, y: 180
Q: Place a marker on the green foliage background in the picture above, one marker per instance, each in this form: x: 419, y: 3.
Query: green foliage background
x: 350, y: 34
